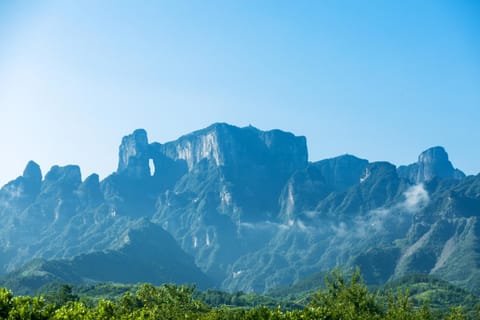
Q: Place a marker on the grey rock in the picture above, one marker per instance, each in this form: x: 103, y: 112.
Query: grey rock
x: 432, y: 163
x: 249, y: 209
x: 33, y: 173
x: 307, y: 187
x: 134, y: 155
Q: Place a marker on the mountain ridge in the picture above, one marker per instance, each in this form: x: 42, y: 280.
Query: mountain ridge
x: 251, y: 210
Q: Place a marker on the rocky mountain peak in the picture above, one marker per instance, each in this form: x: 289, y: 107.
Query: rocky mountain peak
x: 133, y: 155
x: 62, y: 179
x: 69, y: 173
x: 224, y: 144
x: 32, y: 172
x: 432, y: 163
x: 434, y: 154
x: 343, y: 171
x: 379, y: 170
x: 246, y: 166
x: 90, y: 188
x: 32, y: 178
x: 249, y: 207
x: 25, y: 187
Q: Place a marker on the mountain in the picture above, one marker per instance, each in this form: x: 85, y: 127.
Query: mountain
x: 431, y: 163
x: 249, y: 209
x: 144, y: 253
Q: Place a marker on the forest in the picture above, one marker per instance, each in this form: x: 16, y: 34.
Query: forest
x: 341, y: 297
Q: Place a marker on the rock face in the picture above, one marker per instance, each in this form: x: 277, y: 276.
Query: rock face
x: 134, y: 155
x: 32, y: 178
x: 221, y: 173
x: 20, y: 192
x: 432, y: 163
x: 249, y: 209
x: 230, y: 146
x: 235, y: 176
x: 308, y: 187
x: 90, y: 189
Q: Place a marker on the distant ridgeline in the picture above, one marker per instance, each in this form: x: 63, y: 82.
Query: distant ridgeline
x: 239, y: 209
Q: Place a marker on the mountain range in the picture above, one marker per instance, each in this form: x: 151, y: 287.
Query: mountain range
x: 239, y: 209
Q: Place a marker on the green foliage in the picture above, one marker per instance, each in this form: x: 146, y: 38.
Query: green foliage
x: 342, y: 298
x: 5, y: 302
x: 169, y: 302
x: 439, y: 294
x: 105, y: 310
x: 400, y: 307
x: 217, y: 298
x: 24, y: 307
x: 302, y: 287
x: 61, y: 294
x: 72, y: 310
x: 105, y: 291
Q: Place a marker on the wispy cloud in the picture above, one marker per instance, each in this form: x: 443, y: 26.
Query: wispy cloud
x: 416, y: 198
x: 376, y: 220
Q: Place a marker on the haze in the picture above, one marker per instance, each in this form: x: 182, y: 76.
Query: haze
x: 382, y: 80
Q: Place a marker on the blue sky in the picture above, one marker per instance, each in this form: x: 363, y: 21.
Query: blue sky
x: 382, y: 80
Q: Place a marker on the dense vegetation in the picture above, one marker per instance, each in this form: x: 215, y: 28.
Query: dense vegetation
x: 341, y: 298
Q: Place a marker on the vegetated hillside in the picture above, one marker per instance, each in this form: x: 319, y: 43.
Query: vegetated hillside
x: 438, y: 293
x: 339, y: 298
x: 252, y: 211
x: 421, y: 289
x: 145, y: 253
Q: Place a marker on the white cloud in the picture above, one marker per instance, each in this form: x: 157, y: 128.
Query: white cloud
x: 416, y: 198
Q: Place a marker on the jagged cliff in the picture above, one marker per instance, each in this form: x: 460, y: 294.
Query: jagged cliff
x: 250, y: 210
x: 432, y: 163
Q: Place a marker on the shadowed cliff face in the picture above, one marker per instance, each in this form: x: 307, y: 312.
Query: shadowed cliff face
x: 216, y: 177
x: 431, y: 163
x: 249, y: 209
x: 234, y: 176
x: 134, y: 154
x: 308, y: 187
x: 234, y: 150
x: 246, y: 167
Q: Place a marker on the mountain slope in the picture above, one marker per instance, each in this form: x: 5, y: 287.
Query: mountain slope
x: 144, y: 253
x: 251, y: 210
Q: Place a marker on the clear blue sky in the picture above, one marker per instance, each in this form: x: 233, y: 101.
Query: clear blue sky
x: 382, y: 80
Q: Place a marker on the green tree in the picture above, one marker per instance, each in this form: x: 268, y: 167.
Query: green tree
x: 456, y: 313
x: 105, y: 310
x: 61, y: 294
x: 73, y: 310
x: 6, y: 302
x: 344, y: 299
x: 34, y: 308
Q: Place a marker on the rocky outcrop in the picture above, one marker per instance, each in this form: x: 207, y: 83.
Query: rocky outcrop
x: 229, y: 146
x: 307, y: 187
x: 134, y: 155
x: 246, y: 167
x: 90, y: 191
x: 63, y: 179
x: 432, y: 163
x: 32, y: 178
x: 235, y: 176
x: 24, y: 189
x: 342, y: 172
x: 250, y: 210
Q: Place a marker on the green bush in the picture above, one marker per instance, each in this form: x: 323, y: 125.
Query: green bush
x: 342, y: 299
